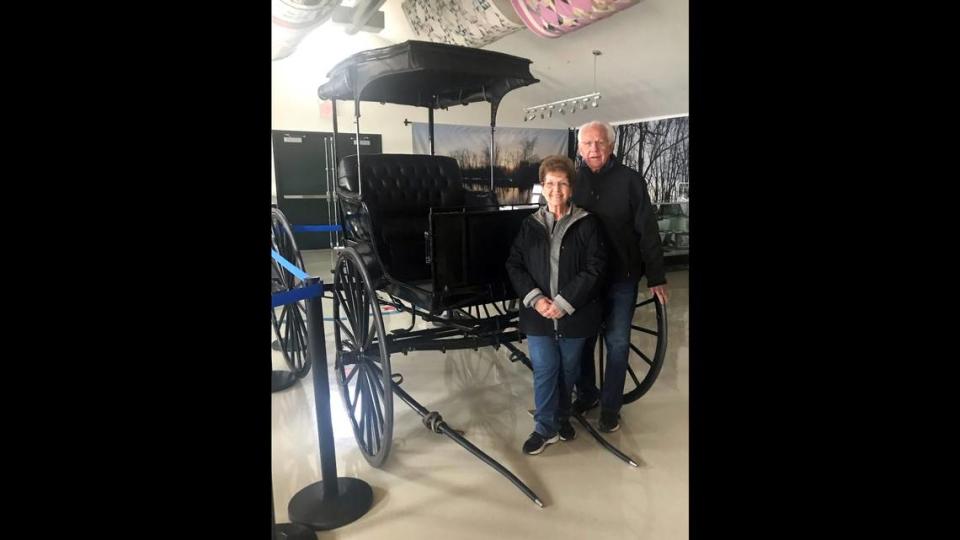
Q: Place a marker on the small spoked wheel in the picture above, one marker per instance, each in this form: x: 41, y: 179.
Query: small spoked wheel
x: 362, y: 360
x: 648, y: 347
x: 289, y: 321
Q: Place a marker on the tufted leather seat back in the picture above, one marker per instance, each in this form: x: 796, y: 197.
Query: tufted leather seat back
x: 399, y: 190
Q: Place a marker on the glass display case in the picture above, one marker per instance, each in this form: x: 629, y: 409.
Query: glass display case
x: 674, y: 223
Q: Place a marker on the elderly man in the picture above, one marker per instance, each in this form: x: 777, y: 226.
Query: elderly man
x: 618, y: 196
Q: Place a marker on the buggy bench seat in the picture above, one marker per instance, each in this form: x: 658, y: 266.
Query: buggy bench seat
x: 398, y: 191
x: 460, y: 261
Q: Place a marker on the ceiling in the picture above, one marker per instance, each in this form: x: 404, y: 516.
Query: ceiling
x: 642, y: 72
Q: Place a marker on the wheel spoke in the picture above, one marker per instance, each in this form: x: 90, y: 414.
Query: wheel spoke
x: 633, y: 375
x: 371, y: 331
x: 349, y: 376
x: 348, y: 293
x: 285, y: 340
x: 647, y: 301
x: 645, y: 358
x: 349, y: 334
x: 356, y: 286
x: 299, y: 334
x: 356, y: 391
x: 346, y: 309
x: 644, y: 330
x: 366, y: 409
x: 349, y: 290
x: 375, y: 392
x: 363, y: 322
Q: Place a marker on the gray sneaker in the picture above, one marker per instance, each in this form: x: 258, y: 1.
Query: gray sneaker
x: 609, y: 421
x: 537, y: 442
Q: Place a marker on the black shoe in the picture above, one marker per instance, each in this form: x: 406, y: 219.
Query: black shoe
x: 581, y: 406
x: 537, y: 442
x: 566, y: 432
x: 609, y: 421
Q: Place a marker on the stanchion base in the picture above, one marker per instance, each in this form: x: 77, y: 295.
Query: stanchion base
x: 281, y: 380
x: 275, y: 345
x: 293, y: 531
x: 309, y: 508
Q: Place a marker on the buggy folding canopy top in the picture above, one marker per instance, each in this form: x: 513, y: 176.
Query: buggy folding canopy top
x: 425, y: 74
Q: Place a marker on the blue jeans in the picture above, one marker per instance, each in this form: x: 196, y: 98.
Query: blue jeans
x: 619, y: 303
x: 548, y: 354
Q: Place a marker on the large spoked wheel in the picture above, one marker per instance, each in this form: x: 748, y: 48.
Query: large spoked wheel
x: 362, y: 361
x: 289, y: 321
x: 648, y: 347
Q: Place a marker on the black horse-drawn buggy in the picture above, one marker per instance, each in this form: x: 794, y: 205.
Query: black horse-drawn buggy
x: 414, y: 237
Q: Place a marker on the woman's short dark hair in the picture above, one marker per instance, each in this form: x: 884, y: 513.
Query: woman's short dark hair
x: 555, y: 164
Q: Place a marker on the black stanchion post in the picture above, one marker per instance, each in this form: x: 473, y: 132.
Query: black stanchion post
x: 333, y: 501
x: 321, y: 395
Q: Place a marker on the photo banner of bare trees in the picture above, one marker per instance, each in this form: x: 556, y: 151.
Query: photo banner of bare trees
x: 659, y: 150
x: 517, y: 155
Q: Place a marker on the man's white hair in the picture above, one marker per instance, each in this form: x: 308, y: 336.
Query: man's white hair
x: 611, y: 134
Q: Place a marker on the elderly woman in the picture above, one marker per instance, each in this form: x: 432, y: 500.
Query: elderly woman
x: 555, y: 264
